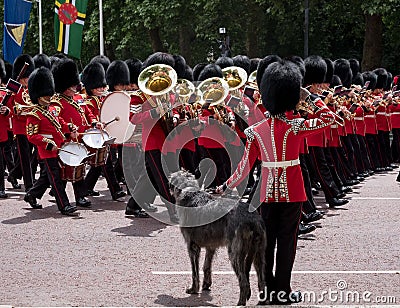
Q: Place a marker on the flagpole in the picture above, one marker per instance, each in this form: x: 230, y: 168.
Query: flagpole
x: 101, y: 27
x: 40, y: 27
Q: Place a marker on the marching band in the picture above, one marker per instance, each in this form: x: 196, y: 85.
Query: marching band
x: 76, y: 127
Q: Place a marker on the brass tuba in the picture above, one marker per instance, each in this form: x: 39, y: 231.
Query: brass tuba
x: 158, y: 80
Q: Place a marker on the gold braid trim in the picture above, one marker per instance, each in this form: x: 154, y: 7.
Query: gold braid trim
x: 76, y: 106
x: 32, y: 129
x: 52, y: 120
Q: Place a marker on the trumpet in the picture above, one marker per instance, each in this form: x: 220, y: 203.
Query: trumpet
x: 158, y: 80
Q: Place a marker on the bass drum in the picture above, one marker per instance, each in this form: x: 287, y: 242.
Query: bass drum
x: 117, y: 106
x: 72, y: 156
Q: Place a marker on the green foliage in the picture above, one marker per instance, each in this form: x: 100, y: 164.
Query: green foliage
x: 337, y: 28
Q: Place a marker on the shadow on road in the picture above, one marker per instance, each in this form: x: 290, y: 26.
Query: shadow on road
x: 141, y: 227
x: 201, y: 299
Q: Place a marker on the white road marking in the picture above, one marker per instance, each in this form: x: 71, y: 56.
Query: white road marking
x: 294, y: 272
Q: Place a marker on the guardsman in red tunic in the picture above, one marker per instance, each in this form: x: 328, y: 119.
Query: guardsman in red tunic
x: 4, y: 118
x: 277, y: 141
x: 66, y: 80
x: 145, y: 111
x: 45, y: 130
x: 94, y: 80
x: 23, y: 164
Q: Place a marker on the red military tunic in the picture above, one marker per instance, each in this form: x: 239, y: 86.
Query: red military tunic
x: 44, y: 129
x: 395, y: 115
x: 93, y: 103
x: 359, y: 121
x: 370, y: 121
x: 277, y: 141
x: 144, y: 113
x: 19, y: 117
x: 4, y: 120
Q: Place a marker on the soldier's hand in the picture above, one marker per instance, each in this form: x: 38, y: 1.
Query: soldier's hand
x: 74, y: 134
x: 3, y: 109
x: 54, y: 148
x: 99, y: 125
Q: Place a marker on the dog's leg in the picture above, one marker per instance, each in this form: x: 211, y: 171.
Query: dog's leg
x: 259, y: 265
x: 207, y: 269
x: 238, y: 258
x: 194, y: 255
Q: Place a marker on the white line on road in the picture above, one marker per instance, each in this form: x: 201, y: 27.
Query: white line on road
x: 294, y: 272
x: 364, y: 198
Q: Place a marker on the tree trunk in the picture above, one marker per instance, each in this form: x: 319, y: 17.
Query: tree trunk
x: 253, y: 16
x: 185, y: 39
x: 155, y: 39
x: 373, y: 42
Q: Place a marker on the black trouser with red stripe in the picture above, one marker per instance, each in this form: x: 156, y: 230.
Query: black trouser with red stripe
x: 2, y: 165
x: 24, y: 163
x: 384, y: 145
x: 7, y: 152
x: 309, y: 205
x: 349, y: 150
x: 186, y: 160
x: 396, y: 145
x: 373, y: 150
x: 50, y: 176
x: 282, y: 223
x: 108, y: 170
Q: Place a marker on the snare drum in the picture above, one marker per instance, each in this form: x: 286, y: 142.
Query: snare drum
x: 94, y: 139
x: 72, y: 156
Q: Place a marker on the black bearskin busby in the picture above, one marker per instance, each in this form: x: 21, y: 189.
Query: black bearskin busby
x: 243, y: 62
x: 358, y: 80
x: 159, y: 58
x: 355, y: 66
x: 197, y: 70
x: 382, y: 77
x: 188, y: 73
x: 93, y: 77
x: 389, y: 82
x: 329, y: 70
x: 3, y: 72
x: 315, y: 70
x: 103, y: 60
x: 40, y: 83
x: 65, y: 73
x: 372, y: 78
x: 210, y: 70
x: 280, y: 87
x: 42, y: 60
x: 19, y: 64
x: 117, y: 74
x: 343, y: 70
x: 299, y: 62
x: 180, y: 65
x: 335, y: 81
x: 254, y: 64
x: 134, y: 66
x: 224, y: 62
x: 263, y: 64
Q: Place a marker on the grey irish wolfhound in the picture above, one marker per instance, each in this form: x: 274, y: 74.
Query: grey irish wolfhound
x: 213, y: 222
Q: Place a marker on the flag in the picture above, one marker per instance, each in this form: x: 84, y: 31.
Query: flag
x: 16, y: 19
x: 69, y: 19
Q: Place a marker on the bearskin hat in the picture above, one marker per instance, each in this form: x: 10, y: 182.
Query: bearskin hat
x: 315, y: 70
x: 335, y: 81
x: 358, y: 79
x: 3, y: 72
x: 65, y: 73
x: 263, y: 64
x: 382, y: 77
x: 224, y: 62
x: 134, y: 66
x: 329, y: 70
x: 40, y: 83
x: 180, y: 65
x: 355, y: 66
x: 389, y: 82
x: 117, y: 74
x: 243, y: 62
x: 42, y: 60
x: 103, y: 60
x: 197, y: 70
x: 19, y: 64
x: 159, y: 58
x: 93, y: 76
x: 299, y: 62
x: 343, y: 70
x: 372, y: 78
x: 188, y: 73
x: 280, y: 87
x: 254, y: 64
x: 210, y: 70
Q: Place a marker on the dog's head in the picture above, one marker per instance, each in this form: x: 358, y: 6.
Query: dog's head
x: 181, y: 182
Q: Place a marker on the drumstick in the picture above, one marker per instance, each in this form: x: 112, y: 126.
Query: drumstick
x: 113, y: 120
x: 68, y: 152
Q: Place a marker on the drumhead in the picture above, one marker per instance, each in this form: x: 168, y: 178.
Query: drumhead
x: 94, y: 138
x: 79, y: 150
x: 117, y: 104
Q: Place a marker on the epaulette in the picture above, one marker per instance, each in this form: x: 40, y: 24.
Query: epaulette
x: 88, y: 101
x: 34, y: 113
x: 56, y: 99
x: 296, y: 124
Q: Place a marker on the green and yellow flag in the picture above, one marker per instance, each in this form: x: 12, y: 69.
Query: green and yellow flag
x: 69, y: 19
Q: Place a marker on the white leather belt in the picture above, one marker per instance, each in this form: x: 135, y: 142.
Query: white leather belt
x: 381, y: 113
x: 372, y: 116
x: 47, y: 136
x: 280, y: 164
x: 334, y: 126
x: 396, y: 112
x: 359, y: 118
